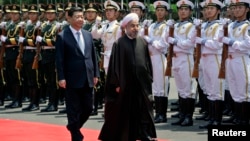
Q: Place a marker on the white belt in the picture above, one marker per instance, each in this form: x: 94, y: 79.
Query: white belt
x: 48, y: 47
x: 29, y: 47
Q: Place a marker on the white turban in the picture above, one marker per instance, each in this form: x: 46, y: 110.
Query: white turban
x: 128, y: 18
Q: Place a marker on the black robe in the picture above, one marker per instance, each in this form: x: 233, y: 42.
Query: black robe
x: 128, y: 114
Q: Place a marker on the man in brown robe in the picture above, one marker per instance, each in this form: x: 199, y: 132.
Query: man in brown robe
x: 128, y: 91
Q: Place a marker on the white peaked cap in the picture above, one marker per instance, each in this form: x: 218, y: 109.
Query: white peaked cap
x: 136, y: 4
x: 161, y: 4
x: 185, y: 3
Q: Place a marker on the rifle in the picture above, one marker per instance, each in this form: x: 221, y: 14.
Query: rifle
x: 38, y: 50
x: 2, y: 51
x: 195, y: 73
x: 170, y: 53
x: 20, y: 55
x: 222, y: 71
x: 171, y: 46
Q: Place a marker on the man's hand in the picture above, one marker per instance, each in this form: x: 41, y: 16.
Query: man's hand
x: 117, y: 89
x: 62, y: 84
x: 95, y: 80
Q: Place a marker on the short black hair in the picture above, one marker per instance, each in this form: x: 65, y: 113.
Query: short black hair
x: 72, y: 10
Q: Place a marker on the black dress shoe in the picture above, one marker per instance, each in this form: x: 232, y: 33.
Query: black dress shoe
x: 14, y: 104
x: 49, y: 108
x: 160, y: 119
x: 94, y: 113
x: 1, y: 102
x: 63, y: 111
x: 31, y: 107
x: 177, y: 115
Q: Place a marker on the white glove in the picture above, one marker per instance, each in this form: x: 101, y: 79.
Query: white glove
x: 220, y: 35
x: 224, y: 21
x: 171, y: 40
x: 28, y: 22
x: 39, y: 38
x: 64, y: 23
x: 21, y: 39
x: 198, y: 40
x: 2, y: 25
x: 58, y: 25
x: 38, y: 23
x: 197, y: 22
x: 170, y: 22
x: 225, y: 40
x: 3, y: 38
x: 148, y: 39
x: 21, y: 24
x: 98, y: 20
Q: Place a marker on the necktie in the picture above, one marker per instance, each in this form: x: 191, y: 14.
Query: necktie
x: 107, y: 26
x: 80, y: 41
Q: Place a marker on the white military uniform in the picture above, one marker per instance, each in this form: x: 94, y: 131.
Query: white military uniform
x: 183, y: 60
x: 158, y: 49
x: 108, y: 33
x: 238, y: 63
x: 211, y: 60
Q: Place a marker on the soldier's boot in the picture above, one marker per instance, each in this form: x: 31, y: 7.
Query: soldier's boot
x: 156, y: 107
x: 205, y: 105
x: 182, y: 112
x: 232, y: 116
x: 17, y: 99
x: 34, y: 100
x: 53, y: 101
x: 190, y: 104
x: 237, y: 107
x: 212, y: 115
x: 244, y: 113
x: 1, y: 95
x: 163, y: 110
x: 218, y: 112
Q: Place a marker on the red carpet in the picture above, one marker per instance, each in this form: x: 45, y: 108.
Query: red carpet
x: 14, y: 130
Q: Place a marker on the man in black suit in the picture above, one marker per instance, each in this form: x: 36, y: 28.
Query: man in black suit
x: 77, y: 71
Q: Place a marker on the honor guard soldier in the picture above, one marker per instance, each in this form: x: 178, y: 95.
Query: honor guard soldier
x: 201, y: 84
x: 230, y: 106
x: 183, y: 42
x: 24, y: 12
x: 49, y: 30
x: 24, y: 18
x: 90, y: 12
x: 158, y: 49
x: 42, y: 12
x: 4, y: 23
x: 238, y: 41
x: 138, y: 8
x: 2, y: 81
x: 109, y: 32
x: 61, y: 13
x: 211, y: 50
x: 29, y: 51
x: 13, y: 76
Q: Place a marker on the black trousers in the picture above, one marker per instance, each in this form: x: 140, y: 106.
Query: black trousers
x: 79, y: 102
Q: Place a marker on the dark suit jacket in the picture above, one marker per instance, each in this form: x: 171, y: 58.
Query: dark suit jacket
x: 70, y: 62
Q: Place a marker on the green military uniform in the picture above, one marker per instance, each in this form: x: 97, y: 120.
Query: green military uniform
x: 49, y: 30
x: 29, y: 52
x: 13, y: 76
x: 2, y: 83
x: 98, y: 95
